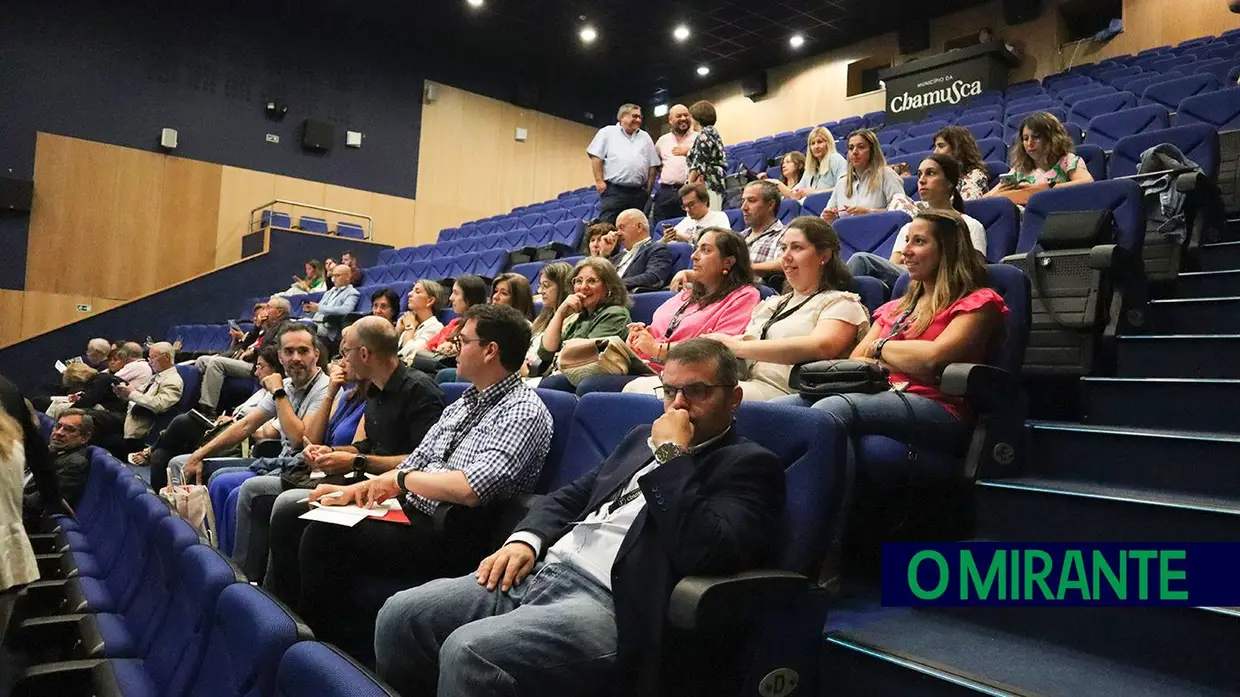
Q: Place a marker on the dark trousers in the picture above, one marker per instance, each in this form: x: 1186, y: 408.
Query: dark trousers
x: 619, y: 198
x: 666, y: 205
x: 182, y: 436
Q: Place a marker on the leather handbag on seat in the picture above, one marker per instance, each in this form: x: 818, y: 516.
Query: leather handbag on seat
x: 582, y: 358
x: 839, y: 376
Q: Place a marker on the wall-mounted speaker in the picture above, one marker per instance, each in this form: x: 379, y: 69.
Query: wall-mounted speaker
x: 430, y: 92
x: 913, y: 38
x: 317, y: 135
x: 754, y: 86
x: 1019, y: 11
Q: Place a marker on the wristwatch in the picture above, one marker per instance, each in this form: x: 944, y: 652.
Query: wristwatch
x: 400, y: 482
x: 359, y: 463
x: 667, y: 452
x: 279, y: 393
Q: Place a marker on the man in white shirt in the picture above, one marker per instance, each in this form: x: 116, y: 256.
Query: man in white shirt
x: 695, y: 202
x: 673, y: 148
x: 598, y: 558
x: 624, y: 161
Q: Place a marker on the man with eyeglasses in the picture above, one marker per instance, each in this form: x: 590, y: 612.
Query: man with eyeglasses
x: 695, y: 201
x: 488, y: 447
x: 70, y: 461
x: 597, y: 560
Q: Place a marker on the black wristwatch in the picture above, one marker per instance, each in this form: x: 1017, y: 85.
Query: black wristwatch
x: 279, y: 393
x: 359, y: 463
x: 400, y: 482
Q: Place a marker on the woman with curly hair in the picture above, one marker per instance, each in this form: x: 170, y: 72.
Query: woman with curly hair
x: 1042, y: 158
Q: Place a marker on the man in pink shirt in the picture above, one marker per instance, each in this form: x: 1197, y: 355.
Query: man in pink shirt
x: 672, y: 148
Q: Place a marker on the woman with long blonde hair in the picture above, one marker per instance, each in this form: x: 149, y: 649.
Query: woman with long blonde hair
x: 869, y: 185
x: 823, y: 165
x: 947, y: 315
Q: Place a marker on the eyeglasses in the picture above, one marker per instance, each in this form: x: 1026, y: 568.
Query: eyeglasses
x: 694, y: 392
x: 458, y: 340
x: 65, y: 428
x: 587, y: 282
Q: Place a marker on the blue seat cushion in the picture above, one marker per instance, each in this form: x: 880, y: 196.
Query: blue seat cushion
x: 127, y: 675
x: 78, y: 541
x: 95, y: 592
x: 87, y: 564
x: 117, y: 642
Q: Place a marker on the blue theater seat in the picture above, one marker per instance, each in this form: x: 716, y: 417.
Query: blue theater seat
x: 1170, y: 93
x: 644, y: 305
x: 992, y: 148
x: 994, y: 168
x: 351, y: 230
x: 1012, y: 123
x: 814, y: 203
x: 986, y: 129
x: 271, y: 218
x: 1198, y: 141
x: 312, y: 669
x: 928, y: 128
x: 789, y: 209
x: 875, y: 233
x: 1086, y: 109
x: 1095, y: 160
x: 681, y: 255
x: 916, y: 145
x: 1219, y: 109
x: 889, y: 137
x: 1072, y: 97
x: 736, y: 219
x: 983, y: 114
x: 1106, y: 130
x: 1001, y: 218
x: 312, y: 224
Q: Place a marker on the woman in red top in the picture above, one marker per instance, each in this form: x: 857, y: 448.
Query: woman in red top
x: 947, y: 315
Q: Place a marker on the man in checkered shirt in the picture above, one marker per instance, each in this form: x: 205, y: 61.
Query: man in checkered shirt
x: 764, y: 233
x: 487, y: 447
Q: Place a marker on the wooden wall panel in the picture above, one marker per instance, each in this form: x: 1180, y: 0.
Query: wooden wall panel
x: 11, y: 316
x: 46, y: 311
x: 394, y: 219
x: 240, y: 191
x: 301, y: 191
x: 345, y: 199
x: 189, y: 208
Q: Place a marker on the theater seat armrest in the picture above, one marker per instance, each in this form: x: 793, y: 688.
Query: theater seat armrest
x: 497, y: 518
x: 270, y: 447
x: 1189, y: 182
x: 706, y: 602
x: 61, y: 678
x: 978, y: 381
x: 49, y: 638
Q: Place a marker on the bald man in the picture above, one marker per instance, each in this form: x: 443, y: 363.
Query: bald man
x: 162, y: 393
x: 673, y: 147
x: 646, y: 264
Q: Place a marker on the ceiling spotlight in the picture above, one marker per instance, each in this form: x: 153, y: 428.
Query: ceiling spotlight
x: 680, y: 33
x: 587, y: 34
x: 796, y: 40
x: 703, y: 70
x: 474, y: 3
x: 660, y: 110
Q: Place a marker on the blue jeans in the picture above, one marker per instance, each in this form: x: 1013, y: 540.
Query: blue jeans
x: 918, y: 421
x: 875, y: 266
x: 554, y: 634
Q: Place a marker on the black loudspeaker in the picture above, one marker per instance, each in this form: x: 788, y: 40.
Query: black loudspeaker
x: 317, y: 135
x: 754, y: 86
x: 1018, y: 11
x: 16, y: 194
x: 913, y: 38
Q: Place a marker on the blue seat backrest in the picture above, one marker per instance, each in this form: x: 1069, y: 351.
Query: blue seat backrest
x: 1121, y: 196
x: 682, y: 253
x: 1068, y: 83
x: 1171, y: 92
x: 789, y: 209
x: 1087, y: 109
x: 448, y: 234
x: 388, y: 256
x: 490, y: 263
x: 507, y: 223
x: 874, y: 233
x: 529, y: 220
x: 1095, y: 160
x: 1137, y: 83
x: 992, y: 148
x: 1198, y: 142
x: 169, y: 539
x: 980, y: 114
x: 539, y: 236
x: 889, y: 137
x: 644, y: 304
x: 913, y: 160
x: 1219, y: 109
x: 363, y: 297
x: 1106, y: 130
x: 910, y: 186
x: 917, y: 144
x: 561, y: 406
x: 45, y: 425
x: 555, y: 215
x: 814, y: 203
x: 600, y: 422
x: 249, y: 634
x: 872, y: 291
x: 311, y: 669
x: 1077, y: 95
x: 569, y: 232
x: 664, y: 224
x: 985, y: 129
x: 991, y: 98
x: 928, y: 128
x: 735, y: 219
x: 530, y: 270
x: 1001, y: 218
x: 351, y: 230
x: 312, y: 224
x: 189, y: 395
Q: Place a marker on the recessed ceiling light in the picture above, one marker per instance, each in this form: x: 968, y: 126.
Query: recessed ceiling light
x: 587, y: 34
x: 681, y: 32
x: 703, y: 70
x: 474, y: 3
x: 797, y: 41
x: 660, y: 110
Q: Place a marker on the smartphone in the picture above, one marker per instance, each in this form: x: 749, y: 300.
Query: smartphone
x: 232, y: 324
x: 1010, y: 178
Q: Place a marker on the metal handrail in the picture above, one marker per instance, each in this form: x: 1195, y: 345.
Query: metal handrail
x: 370, y: 222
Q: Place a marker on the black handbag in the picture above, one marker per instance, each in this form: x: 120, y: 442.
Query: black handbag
x: 840, y: 376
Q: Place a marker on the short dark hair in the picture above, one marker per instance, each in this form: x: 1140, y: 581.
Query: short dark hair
x: 703, y: 112
x: 697, y: 189
x: 700, y: 350
x: 271, y: 356
x: 474, y: 288
x: 392, y: 298
x: 769, y: 192
x: 88, y: 421
x: 347, y: 253
x: 506, y: 328
x: 290, y: 327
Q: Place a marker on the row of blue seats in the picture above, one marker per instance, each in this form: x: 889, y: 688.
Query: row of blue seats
x: 565, y: 232
x: 271, y: 218
x: 508, y: 223
x: 204, y: 338
x: 143, y: 607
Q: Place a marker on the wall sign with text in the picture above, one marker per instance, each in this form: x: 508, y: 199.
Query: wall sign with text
x: 950, y: 79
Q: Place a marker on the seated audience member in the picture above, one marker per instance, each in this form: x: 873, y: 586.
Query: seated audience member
x: 337, y: 302
x: 759, y: 205
x: 947, y: 315
x: 69, y: 461
x: 127, y: 364
x: 815, y: 320
x: 791, y: 172
x: 602, y: 240
x: 707, y: 160
x: 90, y: 387
x: 315, y: 280
x: 695, y: 201
x: 401, y: 405
x: 719, y: 300
x: 555, y: 282
x: 868, y: 185
x: 440, y: 352
x: 419, y: 323
x: 97, y: 351
x: 487, y: 447
x: 557, y: 610
x: 162, y: 393
x: 358, y: 276
x: 597, y: 308
x: 186, y: 431
x: 673, y: 147
x: 1042, y: 159
x: 215, y: 368
x: 938, y: 187
x: 957, y: 143
x: 624, y: 162
x: 645, y: 263
x: 107, y: 409
x: 385, y: 303
x: 513, y: 290
x: 823, y: 166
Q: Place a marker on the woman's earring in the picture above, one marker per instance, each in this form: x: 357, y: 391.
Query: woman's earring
x: 725, y: 272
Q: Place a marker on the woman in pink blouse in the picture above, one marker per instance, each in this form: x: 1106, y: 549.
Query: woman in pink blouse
x: 947, y: 315
x: 720, y: 299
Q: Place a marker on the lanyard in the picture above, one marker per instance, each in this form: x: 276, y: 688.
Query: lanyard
x: 624, y: 500
x: 676, y: 320
x: 781, y: 315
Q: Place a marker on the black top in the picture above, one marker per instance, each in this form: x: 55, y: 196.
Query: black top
x: 399, y: 415
x: 37, y: 458
x: 72, y: 469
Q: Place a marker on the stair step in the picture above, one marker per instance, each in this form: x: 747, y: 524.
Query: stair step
x: 1212, y: 315
x: 1207, y: 284
x: 905, y: 652
x: 1057, y: 510
x: 1179, y: 356
x: 1206, y: 405
x: 1220, y: 256
x: 1187, y: 462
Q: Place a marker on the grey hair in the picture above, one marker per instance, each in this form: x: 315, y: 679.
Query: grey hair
x: 282, y: 303
x: 624, y: 109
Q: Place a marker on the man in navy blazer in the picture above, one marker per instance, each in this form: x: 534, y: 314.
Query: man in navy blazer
x: 575, y: 601
x: 645, y: 263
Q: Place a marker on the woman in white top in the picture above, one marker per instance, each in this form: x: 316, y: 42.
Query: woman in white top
x: 869, y: 185
x: 824, y: 167
x: 420, y: 323
x: 554, y: 284
x: 17, y: 563
x: 816, y: 320
x: 938, y: 182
